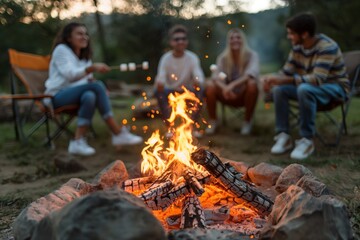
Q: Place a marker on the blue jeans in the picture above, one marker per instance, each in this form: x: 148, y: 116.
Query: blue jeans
x: 308, y: 97
x: 165, y: 107
x: 88, y: 97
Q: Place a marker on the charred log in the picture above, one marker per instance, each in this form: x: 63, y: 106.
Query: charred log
x: 161, y: 202
x: 240, y: 188
x: 192, y: 215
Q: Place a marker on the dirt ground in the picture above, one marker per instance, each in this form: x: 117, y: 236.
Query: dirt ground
x: 28, y: 172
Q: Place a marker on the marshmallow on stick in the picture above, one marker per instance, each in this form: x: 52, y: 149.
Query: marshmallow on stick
x: 123, y: 67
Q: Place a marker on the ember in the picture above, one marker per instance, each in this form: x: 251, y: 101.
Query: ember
x: 187, y: 187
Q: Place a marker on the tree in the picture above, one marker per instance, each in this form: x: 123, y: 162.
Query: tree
x: 336, y: 18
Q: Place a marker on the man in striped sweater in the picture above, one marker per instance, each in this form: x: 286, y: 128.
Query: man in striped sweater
x: 314, y: 74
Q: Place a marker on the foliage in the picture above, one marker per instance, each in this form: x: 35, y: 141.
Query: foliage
x: 336, y: 18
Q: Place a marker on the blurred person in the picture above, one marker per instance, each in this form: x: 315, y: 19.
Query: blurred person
x: 71, y: 82
x: 313, y: 75
x: 178, y: 68
x: 238, y: 88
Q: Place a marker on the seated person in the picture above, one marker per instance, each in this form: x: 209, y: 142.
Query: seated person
x: 71, y: 83
x: 314, y: 74
x: 178, y: 68
x: 238, y: 86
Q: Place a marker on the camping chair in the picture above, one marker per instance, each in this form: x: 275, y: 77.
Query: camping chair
x: 32, y: 71
x: 352, y: 63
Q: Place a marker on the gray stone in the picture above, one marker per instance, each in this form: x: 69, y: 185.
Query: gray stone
x: 27, y: 220
x: 313, y: 186
x: 298, y: 215
x: 111, y: 214
x: 264, y: 174
x: 291, y: 175
x: 206, y: 234
x: 112, y: 175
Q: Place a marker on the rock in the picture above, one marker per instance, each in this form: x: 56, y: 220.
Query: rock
x: 27, y: 220
x: 313, y: 186
x: 208, y: 234
x: 290, y: 175
x: 112, y: 175
x: 298, y: 215
x: 111, y: 214
x: 264, y: 174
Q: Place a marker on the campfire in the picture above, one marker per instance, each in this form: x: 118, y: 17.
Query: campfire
x: 186, y: 186
x: 189, y: 192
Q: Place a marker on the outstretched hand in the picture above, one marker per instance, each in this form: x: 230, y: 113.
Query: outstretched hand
x: 98, y: 67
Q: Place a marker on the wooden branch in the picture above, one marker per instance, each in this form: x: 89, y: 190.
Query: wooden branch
x: 240, y: 188
x: 194, y: 183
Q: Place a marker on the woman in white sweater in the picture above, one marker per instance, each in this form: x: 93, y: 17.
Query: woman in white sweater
x: 238, y: 86
x: 71, y: 82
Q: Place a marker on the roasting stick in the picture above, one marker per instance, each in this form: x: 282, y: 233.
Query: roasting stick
x: 123, y: 67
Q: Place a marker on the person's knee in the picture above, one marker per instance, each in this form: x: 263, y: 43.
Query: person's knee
x: 252, y: 86
x: 304, y: 89
x: 88, y: 97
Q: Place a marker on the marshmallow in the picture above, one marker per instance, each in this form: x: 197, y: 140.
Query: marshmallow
x: 123, y: 67
x: 132, y: 66
x: 145, y: 65
x: 213, y: 67
x: 222, y: 76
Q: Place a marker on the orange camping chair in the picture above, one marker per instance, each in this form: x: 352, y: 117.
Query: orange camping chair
x: 32, y: 71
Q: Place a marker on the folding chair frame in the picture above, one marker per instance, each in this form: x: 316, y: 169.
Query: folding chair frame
x: 56, y: 115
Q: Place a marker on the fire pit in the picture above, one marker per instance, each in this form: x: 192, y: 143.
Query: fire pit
x: 188, y: 193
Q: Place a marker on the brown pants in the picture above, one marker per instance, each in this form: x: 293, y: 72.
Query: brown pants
x: 246, y: 97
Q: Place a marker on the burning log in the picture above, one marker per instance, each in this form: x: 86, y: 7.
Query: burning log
x: 212, y: 216
x: 161, y: 202
x: 156, y: 190
x: 137, y: 184
x: 240, y: 188
x: 194, y: 183
x: 192, y: 214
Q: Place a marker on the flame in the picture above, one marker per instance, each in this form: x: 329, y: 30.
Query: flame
x: 156, y: 159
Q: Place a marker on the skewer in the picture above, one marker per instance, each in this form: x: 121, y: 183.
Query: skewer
x: 123, y: 67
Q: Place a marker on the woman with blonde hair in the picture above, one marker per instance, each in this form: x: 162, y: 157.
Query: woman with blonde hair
x: 234, y: 81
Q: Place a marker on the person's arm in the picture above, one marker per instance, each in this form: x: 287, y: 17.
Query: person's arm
x: 285, y: 75
x: 220, y: 68
x: 198, y: 73
x: 324, y: 60
x: 67, y: 65
x: 251, y: 71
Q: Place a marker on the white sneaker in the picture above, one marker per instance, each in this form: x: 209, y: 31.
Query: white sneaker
x: 80, y: 147
x: 126, y: 138
x: 283, y: 143
x: 213, y: 124
x: 304, y: 148
x: 246, y: 128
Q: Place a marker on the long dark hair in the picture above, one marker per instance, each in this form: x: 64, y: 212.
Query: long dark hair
x: 64, y: 35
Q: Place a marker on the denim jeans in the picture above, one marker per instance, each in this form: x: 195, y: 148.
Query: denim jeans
x: 165, y: 107
x: 308, y: 97
x: 89, y: 97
